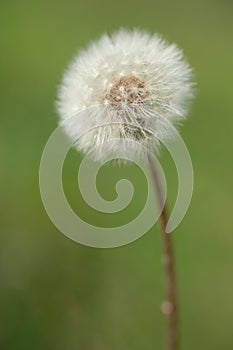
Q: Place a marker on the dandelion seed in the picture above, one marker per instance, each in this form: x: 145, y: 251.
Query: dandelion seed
x: 137, y: 81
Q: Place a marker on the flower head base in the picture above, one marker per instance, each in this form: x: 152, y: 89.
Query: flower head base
x: 126, y: 86
x: 128, y: 89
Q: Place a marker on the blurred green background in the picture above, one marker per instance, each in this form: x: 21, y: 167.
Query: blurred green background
x: 57, y: 294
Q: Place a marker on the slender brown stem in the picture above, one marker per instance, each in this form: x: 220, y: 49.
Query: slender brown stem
x: 169, y: 307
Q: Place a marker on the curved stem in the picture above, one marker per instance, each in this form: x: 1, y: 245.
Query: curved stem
x: 169, y: 307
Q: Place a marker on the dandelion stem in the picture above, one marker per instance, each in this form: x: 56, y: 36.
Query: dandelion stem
x: 169, y: 307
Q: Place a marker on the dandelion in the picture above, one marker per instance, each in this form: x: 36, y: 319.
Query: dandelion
x: 133, y: 81
x: 128, y: 86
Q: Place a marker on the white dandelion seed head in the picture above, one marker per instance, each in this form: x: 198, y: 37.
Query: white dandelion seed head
x: 126, y: 85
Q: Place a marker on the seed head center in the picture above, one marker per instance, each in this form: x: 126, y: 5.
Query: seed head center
x: 127, y: 89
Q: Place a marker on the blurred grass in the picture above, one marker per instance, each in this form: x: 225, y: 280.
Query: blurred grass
x: 56, y: 294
